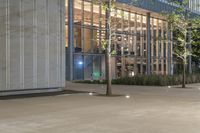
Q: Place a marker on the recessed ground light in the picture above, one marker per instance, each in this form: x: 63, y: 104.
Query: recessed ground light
x: 127, y: 96
x: 169, y: 86
x: 90, y: 93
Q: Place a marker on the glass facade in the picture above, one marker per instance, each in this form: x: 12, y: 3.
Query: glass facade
x: 129, y: 40
x: 193, y: 5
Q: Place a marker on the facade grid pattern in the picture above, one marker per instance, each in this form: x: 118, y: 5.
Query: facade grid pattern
x: 129, y: 41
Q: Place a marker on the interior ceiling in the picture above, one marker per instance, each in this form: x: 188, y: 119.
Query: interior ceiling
x: 130, y: 8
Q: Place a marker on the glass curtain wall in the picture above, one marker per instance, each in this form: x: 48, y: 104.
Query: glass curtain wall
x: 129, y: 42
x: 89, y: 31
x: 193, y: 5
x: 159, y: 42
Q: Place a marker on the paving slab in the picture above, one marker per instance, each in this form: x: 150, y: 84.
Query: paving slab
x: 147, y: 110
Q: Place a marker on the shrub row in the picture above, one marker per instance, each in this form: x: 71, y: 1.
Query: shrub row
x: 156, y: 80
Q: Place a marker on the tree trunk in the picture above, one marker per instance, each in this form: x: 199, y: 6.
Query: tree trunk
x: 183, y: 80
x: 184, y: 60
x: 108, y: 49
x: 108, y: 74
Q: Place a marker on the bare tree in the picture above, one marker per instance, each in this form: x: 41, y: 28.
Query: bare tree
x: 181, y: 23
x: 108, y: 5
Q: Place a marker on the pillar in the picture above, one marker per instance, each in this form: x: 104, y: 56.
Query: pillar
x: 169, y: 55
x: 148, y: 44
x: 70, y: 50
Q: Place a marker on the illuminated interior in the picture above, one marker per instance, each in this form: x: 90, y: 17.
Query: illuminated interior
x: 129, y: 41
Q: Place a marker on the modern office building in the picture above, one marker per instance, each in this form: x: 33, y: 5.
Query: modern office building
x: 142, y: 41
x: 44, y: 42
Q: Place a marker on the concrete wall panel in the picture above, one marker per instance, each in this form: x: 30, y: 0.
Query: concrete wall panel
x: 14, y: 18
x: 53, y: 50
x: 2, y: 44
x: 41, y: 34
x: 28, y: 29
x: 32, y: 45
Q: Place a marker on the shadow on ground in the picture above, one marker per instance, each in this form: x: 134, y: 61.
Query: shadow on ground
x: 187, y: 87
x: 113, y: 95
x: 41, y: 94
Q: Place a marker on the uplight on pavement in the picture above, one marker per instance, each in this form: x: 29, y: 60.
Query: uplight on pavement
x: 127, y: 96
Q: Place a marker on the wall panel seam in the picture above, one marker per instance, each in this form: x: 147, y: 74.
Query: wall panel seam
x: 47, y: 43
x: 8, y: 44
x: 21, y: 44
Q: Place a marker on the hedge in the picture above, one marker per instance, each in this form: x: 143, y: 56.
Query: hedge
x: 153, y: 80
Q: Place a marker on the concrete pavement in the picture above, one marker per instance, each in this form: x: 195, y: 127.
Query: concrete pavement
x: 148, y: 110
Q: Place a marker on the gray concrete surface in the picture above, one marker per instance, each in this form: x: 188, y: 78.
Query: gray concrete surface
x: 32, y: 44
x: 148, y: 110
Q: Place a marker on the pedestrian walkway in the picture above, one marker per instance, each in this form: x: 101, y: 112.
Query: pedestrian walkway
x: 146, y: 110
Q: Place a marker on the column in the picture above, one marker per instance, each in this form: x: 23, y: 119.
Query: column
x: 70, y: 50
x: 169, y: 56
x: 148, y: 44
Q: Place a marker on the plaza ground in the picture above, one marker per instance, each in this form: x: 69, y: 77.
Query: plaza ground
x: 148, y: 110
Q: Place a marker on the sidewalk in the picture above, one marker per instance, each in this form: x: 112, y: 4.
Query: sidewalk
x: 148, y: 110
